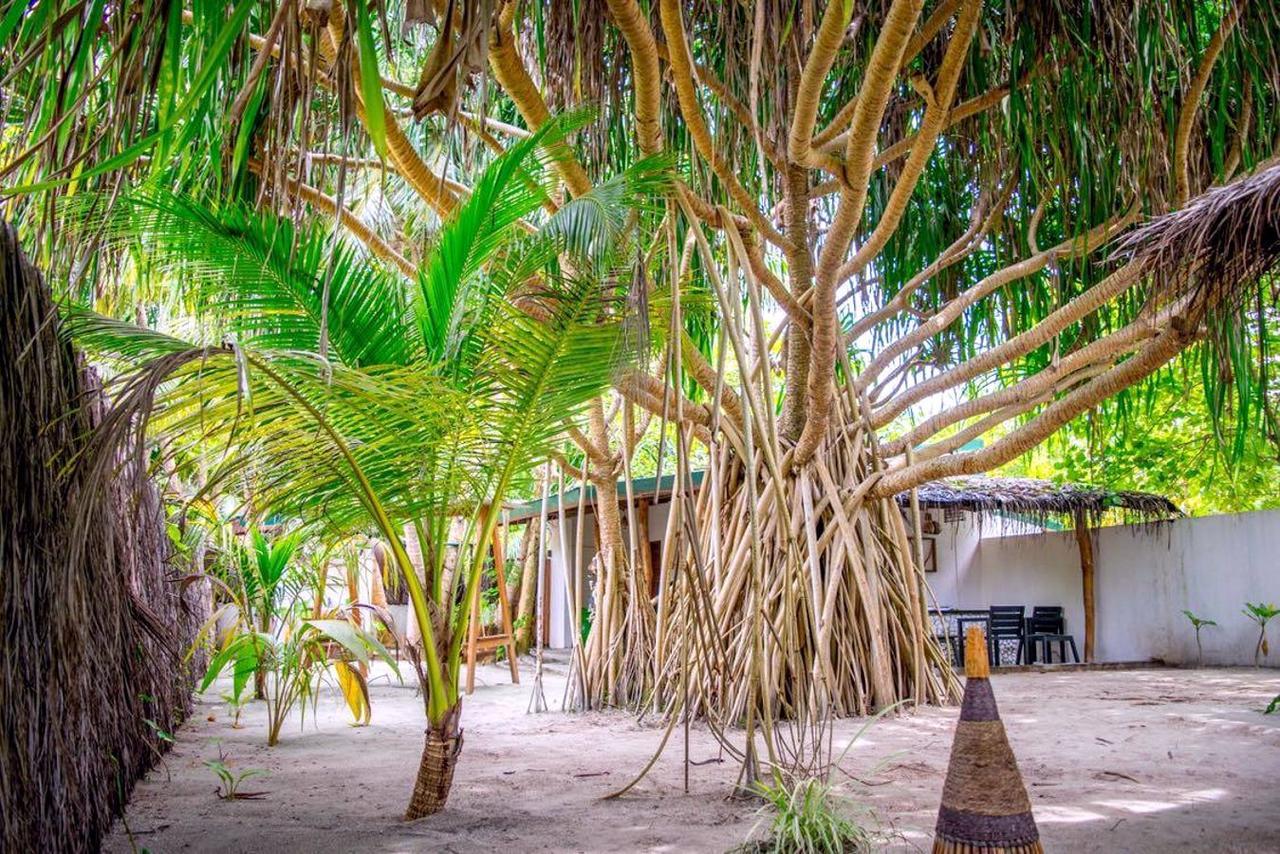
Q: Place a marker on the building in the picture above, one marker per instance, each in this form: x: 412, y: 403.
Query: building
x: 1016, y: 541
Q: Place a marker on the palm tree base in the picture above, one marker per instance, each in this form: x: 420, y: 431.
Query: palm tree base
x: 435, y: 772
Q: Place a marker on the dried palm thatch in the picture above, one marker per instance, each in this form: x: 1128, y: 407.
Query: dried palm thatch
x: 1220, y: 245
x: 1040, y: 499
x: 93, y: 643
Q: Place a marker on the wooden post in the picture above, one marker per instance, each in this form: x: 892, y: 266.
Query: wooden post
x: 1084, y: 540
x: 508, y: 631
x: 977, y: 664
x: 477, y: 643
x: 646, y: 553
x: 473, y: 634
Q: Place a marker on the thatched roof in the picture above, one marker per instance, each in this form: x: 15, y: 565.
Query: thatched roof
x: 1040, y: 499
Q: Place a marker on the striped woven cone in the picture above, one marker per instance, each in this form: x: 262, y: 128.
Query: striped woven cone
x: 985, y: 808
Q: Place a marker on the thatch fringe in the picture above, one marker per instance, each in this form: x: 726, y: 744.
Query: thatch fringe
x: 93, y: 638
x: 1041, y: 500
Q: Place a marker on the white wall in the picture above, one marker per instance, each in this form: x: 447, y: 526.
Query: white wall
x: 560, y: 621
x: 1145, y: 577
x: 560, y: 618
x: 957, y: 546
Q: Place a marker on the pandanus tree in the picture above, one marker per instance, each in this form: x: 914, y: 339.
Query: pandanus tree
x: 419, y: 397
x: 902, y: 227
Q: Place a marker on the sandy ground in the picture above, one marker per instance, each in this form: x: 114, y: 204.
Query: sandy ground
x: 1136, y: 760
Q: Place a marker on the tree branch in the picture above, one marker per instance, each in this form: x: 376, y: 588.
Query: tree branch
x: 873, y: 97
x: 647, y: 82
x: 1019, y: 345
x: 953, y: 309
x: 1149, y: 359
x: 1105, y: 350
x: 509, y: 70
x: 939, y: 105
x: 821, y: 56
x: 687, y: 96
x: 429, y: 186
x: 361, y: 230
x: 1191, y: 105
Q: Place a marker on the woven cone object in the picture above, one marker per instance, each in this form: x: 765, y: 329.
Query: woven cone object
x: 984, y: 802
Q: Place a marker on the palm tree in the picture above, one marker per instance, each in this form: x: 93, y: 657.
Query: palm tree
x: 434, y: 400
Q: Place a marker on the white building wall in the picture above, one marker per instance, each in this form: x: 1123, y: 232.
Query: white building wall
x: 957, y: 547
x: 1145, y: 577
x: 557, y: 616
x: 560, y: 617
x: 560, y: 620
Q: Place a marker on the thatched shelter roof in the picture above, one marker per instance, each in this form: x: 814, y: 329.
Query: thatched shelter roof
x: 1040, y: 499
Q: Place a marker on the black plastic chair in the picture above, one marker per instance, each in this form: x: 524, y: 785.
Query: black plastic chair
x: 1049, y: 619
x: 1007, y: 623
x: 1046, y: 627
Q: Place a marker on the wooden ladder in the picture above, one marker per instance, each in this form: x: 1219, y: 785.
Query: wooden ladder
x: 477, y: 643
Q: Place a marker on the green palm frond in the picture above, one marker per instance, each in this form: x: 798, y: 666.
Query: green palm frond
x: 509, y: 190
x: 271, y: 558
x: 265, y: 278
x: 245, y: 408
x: 593, y: 226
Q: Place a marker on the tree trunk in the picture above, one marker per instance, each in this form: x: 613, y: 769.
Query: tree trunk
x: 840, y: 623
x: 603, y: 654
x: 260, y: 673
x: 791, y: 422
x: 1085, y: 544
x: 435, y: 771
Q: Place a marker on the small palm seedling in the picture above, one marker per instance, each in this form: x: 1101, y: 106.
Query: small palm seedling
x: 1261, y: 614
x: 1273, y: 705
x: 229, y: 781
x: 274, y: 642
x: 235, y: 704
x: 1198, y: 623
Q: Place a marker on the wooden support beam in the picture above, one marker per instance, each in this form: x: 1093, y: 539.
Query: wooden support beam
x: 508, y: 630
x: 646, y: 553
x: 1084, y: 540
x: 476, y: 643
x: 473, y: 635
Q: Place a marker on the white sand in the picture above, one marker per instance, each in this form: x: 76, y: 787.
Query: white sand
x: 1140, y: 760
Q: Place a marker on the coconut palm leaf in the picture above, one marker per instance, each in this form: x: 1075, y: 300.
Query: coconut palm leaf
x: 259, y: 276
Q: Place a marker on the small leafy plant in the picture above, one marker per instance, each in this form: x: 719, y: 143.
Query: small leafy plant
x: 808, y: 815
x: 155, y: 728
x: 1198, y: 623
x: 1273, y: 705
x: 235, y: 703
x: 229, y: 781
x: 283, y: 643
x: 1261, y: 613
